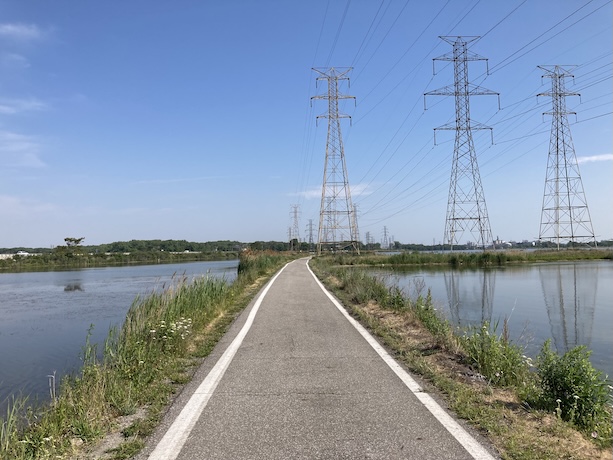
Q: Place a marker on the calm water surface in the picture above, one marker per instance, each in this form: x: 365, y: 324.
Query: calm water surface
x: 570, y: 303
x: 45, y: 316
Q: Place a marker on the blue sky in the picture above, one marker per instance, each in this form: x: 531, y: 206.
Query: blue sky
x: 192, y: 120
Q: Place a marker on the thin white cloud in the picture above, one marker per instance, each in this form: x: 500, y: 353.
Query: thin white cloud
x: 18, y: 150
x: 360, y: 190
x: 21, y: 32
x: 179, y: 180
x: 595, y: 158
x: 17, y: 206
x: 315, y: 192
x: 14, y: 61
x: 14, y: 106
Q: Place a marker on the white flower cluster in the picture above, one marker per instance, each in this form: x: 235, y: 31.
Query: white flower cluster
x: 180, y: 328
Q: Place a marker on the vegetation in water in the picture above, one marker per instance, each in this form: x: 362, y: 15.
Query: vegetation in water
x: 469, y: 259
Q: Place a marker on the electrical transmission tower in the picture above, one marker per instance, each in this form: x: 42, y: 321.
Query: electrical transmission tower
x: 385, y: 243
x: 310, y: 233
x: 357, y: 230
x: 294, y: 233
x: 368, y: 241
x: 337, y: 219
x: 466, y: 209
x: 565, y: 216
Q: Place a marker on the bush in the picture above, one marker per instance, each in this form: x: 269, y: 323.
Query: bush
x: 362, y: 287
x: 572, y: 388
x: 495, y: 357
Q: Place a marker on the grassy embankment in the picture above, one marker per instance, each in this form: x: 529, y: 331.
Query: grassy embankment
x: 474, y: 259
x: 126, y: 386
x: 53, y: 261
x: 555, y: 408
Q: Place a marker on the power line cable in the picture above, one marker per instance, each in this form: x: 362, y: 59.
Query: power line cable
x: 501, y: 65
x: 338, y: 33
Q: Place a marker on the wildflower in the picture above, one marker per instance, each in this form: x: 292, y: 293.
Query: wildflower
x: 594, y: 434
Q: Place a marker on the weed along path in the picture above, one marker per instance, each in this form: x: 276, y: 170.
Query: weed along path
x: 296, y: 377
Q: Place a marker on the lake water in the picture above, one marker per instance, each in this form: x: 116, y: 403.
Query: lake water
x: 570, y: 303
x: 45, y: 316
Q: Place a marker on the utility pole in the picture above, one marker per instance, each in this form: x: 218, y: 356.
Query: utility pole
x: 466, y: 209
x: 565, y: 216
x: 337, y: 220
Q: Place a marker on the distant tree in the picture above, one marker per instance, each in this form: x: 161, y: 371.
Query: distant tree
x: 72, y: 247
x: 73, y: 242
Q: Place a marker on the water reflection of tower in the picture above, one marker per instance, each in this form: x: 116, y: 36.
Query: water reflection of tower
x: 471, y: 306
x: 570, y: 299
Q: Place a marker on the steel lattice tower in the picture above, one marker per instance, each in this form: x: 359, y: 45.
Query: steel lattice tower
x: 310, y: 232
x: 337, y: 220
x: 294, y: 232
x: 565, y: 216
x: 466, y: 209
x: 385, y: 243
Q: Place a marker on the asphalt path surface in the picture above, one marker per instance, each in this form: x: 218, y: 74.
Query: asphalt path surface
x: 294, y: 379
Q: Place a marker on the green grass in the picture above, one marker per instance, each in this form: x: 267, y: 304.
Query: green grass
x: 473, y: 259
x: 499, y: 360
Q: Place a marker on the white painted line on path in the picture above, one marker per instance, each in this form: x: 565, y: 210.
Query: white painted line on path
x: 469, y: 443
x: 171, y: 444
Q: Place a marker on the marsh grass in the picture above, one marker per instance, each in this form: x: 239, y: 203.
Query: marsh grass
x: 565, y: 389
x: 499, y: 360
x: 140, y: 365
x: 471, y: 259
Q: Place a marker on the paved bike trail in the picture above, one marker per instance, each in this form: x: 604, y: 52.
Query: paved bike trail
x: 295, y: 379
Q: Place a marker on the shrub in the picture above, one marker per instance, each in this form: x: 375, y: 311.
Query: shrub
x: 572, y: 388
